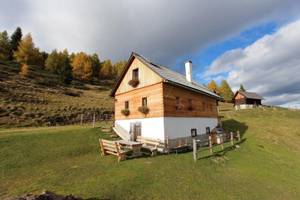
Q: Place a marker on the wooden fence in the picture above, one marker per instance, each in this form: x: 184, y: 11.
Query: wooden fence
x: 220, y: 140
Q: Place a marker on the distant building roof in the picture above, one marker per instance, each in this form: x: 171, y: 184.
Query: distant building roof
x: 249, y: 95
x: 169, y: 76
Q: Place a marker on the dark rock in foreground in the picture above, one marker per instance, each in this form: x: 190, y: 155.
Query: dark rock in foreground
x: 47, y: 196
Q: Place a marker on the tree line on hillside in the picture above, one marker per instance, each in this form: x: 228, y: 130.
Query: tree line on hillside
x: 224, y: 89
x: 79, y: 66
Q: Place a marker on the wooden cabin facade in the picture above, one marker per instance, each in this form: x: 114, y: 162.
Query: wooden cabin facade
x: 157, y: 103
x: 246, y: 100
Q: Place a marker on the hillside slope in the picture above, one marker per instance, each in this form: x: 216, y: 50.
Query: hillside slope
x: 66, y: 160
x: 41, y: 99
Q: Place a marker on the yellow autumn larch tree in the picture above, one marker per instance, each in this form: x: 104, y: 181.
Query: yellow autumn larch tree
x: 82, y: 67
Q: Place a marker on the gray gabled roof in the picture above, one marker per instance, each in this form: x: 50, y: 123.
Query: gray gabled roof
x: 250, y: 95
x: 172, y: 77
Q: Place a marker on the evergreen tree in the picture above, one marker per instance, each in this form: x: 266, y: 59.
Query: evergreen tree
x: 118, y: 68
x: 212, y: 85
x: 15, y: 40
x: 106, y: 69
x: 242, y: 88
x: 95, y: 64
x: 4, y: 46
x: 225, y: 91
x: 82, y: 67
x: 44, y: 56
x: 27, y: 53
x: 66, y: 71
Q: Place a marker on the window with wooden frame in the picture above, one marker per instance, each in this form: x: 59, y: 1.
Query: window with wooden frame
x: 144, y: 108
x: 203, y: 106
x: 177, y: 102
x: 127, y: 105
x: 190, y: 104
x: 134, y: 82
x: 135, y: 74
x: 211, y: 107
x: 144, y: 102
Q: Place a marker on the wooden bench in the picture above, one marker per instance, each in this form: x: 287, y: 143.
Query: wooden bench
x: 151, y: 144
x: 113, y: 148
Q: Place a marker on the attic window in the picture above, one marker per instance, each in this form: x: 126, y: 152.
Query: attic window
x: 144, y: 101
x: 126, y: 104
x: 135, y: 78
x: 135, y: 74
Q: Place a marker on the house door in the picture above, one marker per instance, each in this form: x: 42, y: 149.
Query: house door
x: 135, y: 130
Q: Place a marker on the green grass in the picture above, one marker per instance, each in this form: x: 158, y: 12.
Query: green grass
x: 67, y: 160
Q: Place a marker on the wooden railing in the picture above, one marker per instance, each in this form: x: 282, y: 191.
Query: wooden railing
x: 220, y: 140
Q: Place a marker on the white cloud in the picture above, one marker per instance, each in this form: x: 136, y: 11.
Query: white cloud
x: 160, y: 29
x: 270, y: 66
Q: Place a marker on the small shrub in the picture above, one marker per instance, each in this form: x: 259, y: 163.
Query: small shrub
x: 144, y: 109
x: 125, y: 112
x: 134, y: 82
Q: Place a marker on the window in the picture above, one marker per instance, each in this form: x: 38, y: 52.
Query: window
x: 178, y: 106
x: 144, y: 101
x: 211, y: 107
x: 190, y: 104
x: 207, y: 130
x: 127, y: 105
x: 135, y: 74
x: 193, y: 132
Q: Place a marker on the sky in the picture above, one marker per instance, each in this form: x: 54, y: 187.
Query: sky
x: 255, y: 42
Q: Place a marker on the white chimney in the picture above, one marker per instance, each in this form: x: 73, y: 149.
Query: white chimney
x: 188, y: 70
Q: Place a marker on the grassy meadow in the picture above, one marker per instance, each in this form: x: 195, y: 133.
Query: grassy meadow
x: 66, y: 160
x: 42, y: 99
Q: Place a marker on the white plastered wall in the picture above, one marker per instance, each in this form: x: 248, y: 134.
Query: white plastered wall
x: 171, y: 127
x: 151, y: 127
x: 177, y: 127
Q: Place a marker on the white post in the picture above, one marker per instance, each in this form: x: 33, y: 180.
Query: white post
x: 194, y: 149
x: 210, y: 145
x: 238, y: 135
x: 222, y: 141
x: 231, y: 138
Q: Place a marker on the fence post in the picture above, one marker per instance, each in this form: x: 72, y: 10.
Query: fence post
x: 94, y: 119
x: 194, y: 149
x: 231, y: 138
x: 210, y: 145
x: 238, y: 135
x: 222, y: 141
x: 81, y: 119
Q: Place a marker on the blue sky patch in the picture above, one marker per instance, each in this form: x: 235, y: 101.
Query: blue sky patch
x: 205, y: 57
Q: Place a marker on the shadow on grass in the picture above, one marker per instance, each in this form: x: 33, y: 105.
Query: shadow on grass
x: 221, y: 152
x: 233, y: 125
